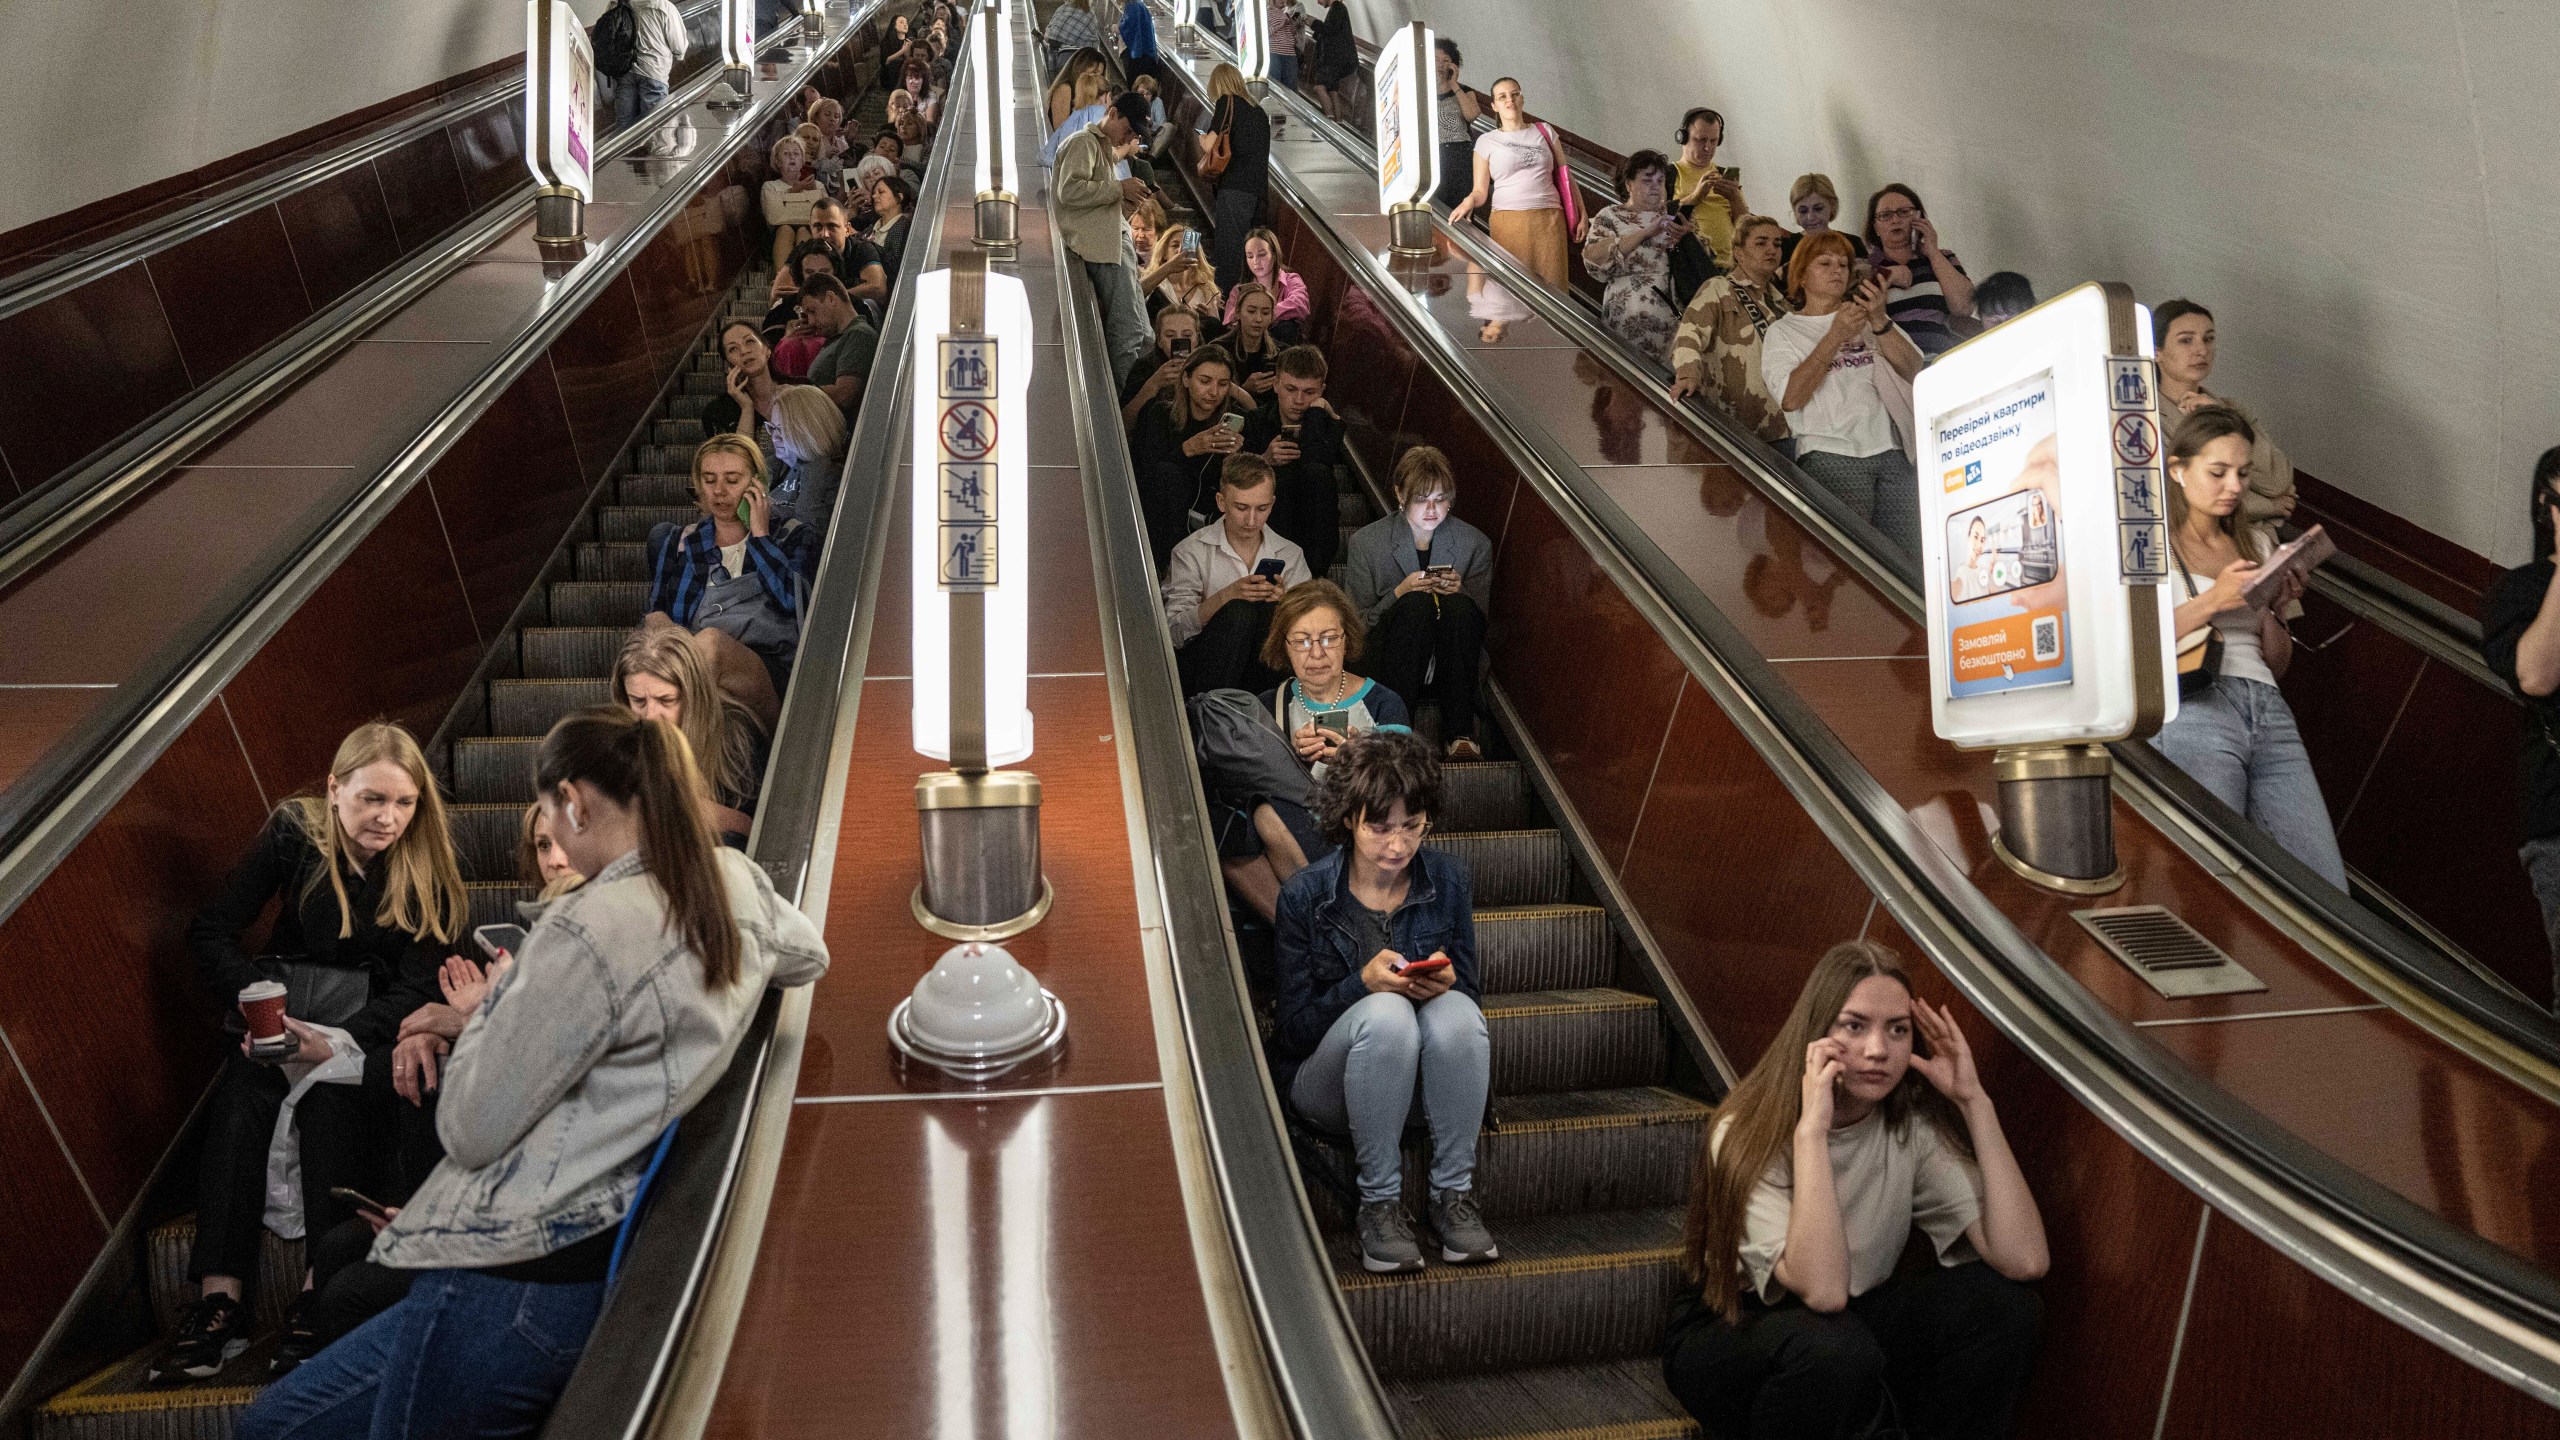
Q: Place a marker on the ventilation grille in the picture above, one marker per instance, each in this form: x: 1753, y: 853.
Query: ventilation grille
x: 2150, y: 939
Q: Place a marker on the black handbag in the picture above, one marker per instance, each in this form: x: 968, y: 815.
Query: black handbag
x: 2200, y: 649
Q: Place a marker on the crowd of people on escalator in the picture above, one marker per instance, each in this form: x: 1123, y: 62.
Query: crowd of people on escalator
x: 458, y: 1120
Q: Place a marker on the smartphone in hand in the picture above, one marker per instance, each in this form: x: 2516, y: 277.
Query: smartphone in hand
x: 1269, y: 568
x: 361, y: 1201
x: 1435, y: 963
x: 499, y: 941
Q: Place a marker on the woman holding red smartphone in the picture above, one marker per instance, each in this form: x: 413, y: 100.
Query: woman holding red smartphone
x: 1377, y: 987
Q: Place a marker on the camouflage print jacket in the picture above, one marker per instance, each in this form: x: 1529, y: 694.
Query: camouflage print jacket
x: 1717, y: 350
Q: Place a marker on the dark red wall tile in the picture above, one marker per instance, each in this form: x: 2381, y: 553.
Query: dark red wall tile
x: 52, y: 1234
x: 423, y: 188
x: 386, y: 635
x: 606, y: 379
x: 97, y: 990
x: 342, y: 232
x: 489, y: 148
x: 230, y: 290
x: 81, y: 369
x: 508, y: 491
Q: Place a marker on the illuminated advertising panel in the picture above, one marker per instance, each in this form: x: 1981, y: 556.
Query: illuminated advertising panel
x: 1408, y: 119
x: 560, y: 98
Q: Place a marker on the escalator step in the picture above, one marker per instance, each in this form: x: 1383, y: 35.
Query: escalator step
x: 649, y: 487
x: 1514, y: 867
x: 1579, y: 1288
x: 1615, y: 1400
x: 279, y: 1275
x: 529, y: 707
x: 709, y: 363
x: 484, y: 839
x: 494, y: 771
x: 688, y: 404
x: 1621, y: 1149
x: 671, y: 431
x: 633, y: 522
x: 495, y: 904
x: 1482, y: 795
x: 1547, y: 1040
x: 120, y: 1403
x: 663, y: 459
x: 599, y: 602
x: 701, y: 384
x: 1543, y: 947
x: 613, y: 560
x: 562, y: 652
x: 1352, y: 507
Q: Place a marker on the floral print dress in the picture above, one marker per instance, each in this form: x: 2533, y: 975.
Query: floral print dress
x: 1636, y: 305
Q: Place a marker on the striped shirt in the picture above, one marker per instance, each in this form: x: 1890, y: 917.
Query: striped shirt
x: 681, y: 559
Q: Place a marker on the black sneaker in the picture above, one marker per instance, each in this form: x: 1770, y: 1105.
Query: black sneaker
x: 211, y: 1336
x: 1463, y: 1238
x: 1386, y: 1239
x: 300, y: 1341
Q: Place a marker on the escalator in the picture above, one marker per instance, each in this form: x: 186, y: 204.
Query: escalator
x: 1749, y: 799
x: 392, y: 599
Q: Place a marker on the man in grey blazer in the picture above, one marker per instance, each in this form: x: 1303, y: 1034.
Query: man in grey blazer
x: 1423, y: 581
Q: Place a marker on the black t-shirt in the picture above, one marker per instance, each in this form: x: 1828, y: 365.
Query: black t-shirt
x: 1249, y: 132
x: 2512, y: 604
x: 1307, y: 509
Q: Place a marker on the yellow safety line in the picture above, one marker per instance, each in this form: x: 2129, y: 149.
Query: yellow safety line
x: 1507, y: 1269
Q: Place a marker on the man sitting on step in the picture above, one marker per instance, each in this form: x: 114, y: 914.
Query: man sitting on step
x: 1225, y: 581
x: 843, y: 365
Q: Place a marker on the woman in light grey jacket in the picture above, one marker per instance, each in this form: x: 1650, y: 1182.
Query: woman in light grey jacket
x: 621, y: 1013
x: 1422, y: 580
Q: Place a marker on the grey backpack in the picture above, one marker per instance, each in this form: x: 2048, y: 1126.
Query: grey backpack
x: 1244, y: 759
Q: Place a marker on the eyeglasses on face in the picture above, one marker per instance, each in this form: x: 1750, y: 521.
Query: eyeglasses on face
x: 1309, y: 644
x: 1413, y: 829
x: 1899, y: 213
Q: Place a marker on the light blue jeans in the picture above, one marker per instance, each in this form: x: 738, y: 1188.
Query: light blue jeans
x: 1363, y: 1076
x: 2238, y: 740
x: 465, y: 1354
x: 635, y: 95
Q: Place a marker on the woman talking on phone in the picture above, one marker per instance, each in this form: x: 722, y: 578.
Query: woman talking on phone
x: 1377, y: 987
x: 369, y: 900
x: 1177, y: 445
x: 1422, y: 580
x: 733, y: 579
x: 1863, y: 1119
x: 2234, y: 732
x: 632, y: 994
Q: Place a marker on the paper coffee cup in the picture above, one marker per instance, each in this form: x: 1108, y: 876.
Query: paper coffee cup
x: 262, y: 1005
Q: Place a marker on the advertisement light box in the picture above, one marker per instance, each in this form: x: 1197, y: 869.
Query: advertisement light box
x: 1408, y: 119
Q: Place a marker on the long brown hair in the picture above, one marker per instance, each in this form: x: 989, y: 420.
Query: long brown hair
x: 2204, y: 425
x: 422, y: 891
x: 1757, y: 1119
x: 646, y: 765
x: 721, y: 732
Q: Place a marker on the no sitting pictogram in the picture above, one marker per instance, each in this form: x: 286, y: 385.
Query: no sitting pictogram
x: 2137, y: 439
x: 968, y: 430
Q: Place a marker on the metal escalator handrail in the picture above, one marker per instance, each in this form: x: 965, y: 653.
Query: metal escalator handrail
x: 64, y: 273
x: 661, y: 1344
x: 2461, y: 1292
x: 37, y: 526
x: 2444, y: 990
x: 1314, y: 1355
x: 56, y: 801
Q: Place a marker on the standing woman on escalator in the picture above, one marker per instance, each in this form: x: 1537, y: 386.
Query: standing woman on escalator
x: 1241, y: 131
x: 1520, y: 184
x: 1862, y: 1120
x: 1458, y: 111
x: 895, y: 49
x: 634, y: 991
x: 1822, y: 362
x: 1629, y: 252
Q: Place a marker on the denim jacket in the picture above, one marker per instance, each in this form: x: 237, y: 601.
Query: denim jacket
x: 600, y: 1036
x: 1318, y: 973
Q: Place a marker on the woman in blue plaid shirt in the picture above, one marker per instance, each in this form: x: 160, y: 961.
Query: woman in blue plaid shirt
x: 735, y: 579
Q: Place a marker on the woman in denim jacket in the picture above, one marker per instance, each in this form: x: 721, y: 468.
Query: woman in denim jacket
x: 1377, y: 989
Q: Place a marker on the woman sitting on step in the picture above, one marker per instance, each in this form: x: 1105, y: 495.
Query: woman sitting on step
x: 735, y: 578
x: 1377, y: 983
x: 660, y: 676
x: 808, y: 441
x: 369, y: 901
x: 1863, y: 1118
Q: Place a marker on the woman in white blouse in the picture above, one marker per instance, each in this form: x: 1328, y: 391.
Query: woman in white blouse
x: 1516, y: 167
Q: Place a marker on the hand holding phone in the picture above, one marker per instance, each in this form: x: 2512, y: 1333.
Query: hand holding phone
x: 1443, y: 578
x: 1437, y: 960
x: 365, y: 1204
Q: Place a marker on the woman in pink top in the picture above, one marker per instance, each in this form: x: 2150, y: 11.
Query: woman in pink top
x: 1516, y: 167
x: 1265, y: 265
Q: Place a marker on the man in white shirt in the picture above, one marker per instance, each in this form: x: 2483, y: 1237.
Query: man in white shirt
x: 663, y: 42
x: 1225, y: 579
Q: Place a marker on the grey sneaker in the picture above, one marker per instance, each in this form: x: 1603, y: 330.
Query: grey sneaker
x: 1386, y: 1239
x: 1463, y: 1238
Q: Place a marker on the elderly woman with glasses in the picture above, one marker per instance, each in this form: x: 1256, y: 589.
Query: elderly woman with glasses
x: 1376, y: 983
x: 1925, y: 291
x: 1315, y: 634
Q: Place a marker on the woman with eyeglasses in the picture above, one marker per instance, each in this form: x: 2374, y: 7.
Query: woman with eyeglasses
x: 1315, y: 634
x: 1377, y: 985
x: 1925, y: 291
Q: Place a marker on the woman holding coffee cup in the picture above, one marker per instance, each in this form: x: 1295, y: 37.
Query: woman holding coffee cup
x: 369, y: 899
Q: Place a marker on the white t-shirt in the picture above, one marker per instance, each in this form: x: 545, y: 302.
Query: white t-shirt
x: 1847, y: 415
x: 1885, y: 1183
x: 734, y: 558
x: 1524, y: 176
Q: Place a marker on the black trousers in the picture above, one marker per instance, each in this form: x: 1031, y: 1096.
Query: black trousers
x: 1457, y: 171
x: 362, y: 1136
x: 351, y: 1288
x: 1227, y: 653
x: 1307, y: 509
x: 1946, y: 1352
x: 1419, y: 630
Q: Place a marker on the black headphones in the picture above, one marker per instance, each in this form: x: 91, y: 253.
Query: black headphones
x: 1696, y: 114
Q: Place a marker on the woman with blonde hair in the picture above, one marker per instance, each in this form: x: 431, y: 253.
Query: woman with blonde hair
x: 789, y: 194
x: 660, y: 676
x: 1240, y: 129
x: 540, y: 862
x: 1863, y: 1119
x: 808, y: 444
x: 734, y: 579
x: 1181, y: 275
x: 1816, y: 203
x: 369, y: 900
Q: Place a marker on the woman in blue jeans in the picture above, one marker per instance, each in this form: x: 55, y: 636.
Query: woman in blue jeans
x: 2237, y: 737
x: 633, y: 993
x: 1377, y: 995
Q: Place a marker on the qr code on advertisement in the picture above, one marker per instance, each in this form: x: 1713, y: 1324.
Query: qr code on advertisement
x: 2047, y: 640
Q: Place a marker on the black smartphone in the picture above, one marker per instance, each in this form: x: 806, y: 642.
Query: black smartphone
x: 1269, y: 569
x: 361, y: 1201
x: 1181, y: 347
